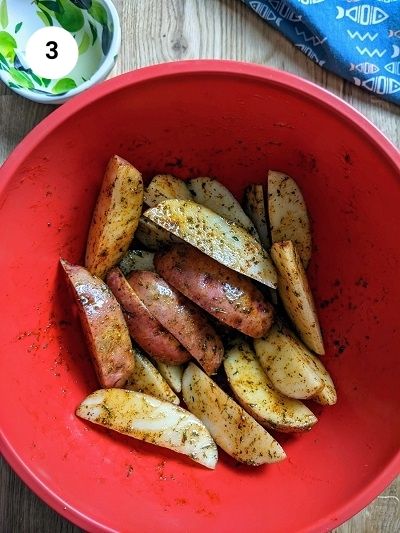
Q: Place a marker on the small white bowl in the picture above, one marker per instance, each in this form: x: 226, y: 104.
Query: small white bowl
x: 95, y: 26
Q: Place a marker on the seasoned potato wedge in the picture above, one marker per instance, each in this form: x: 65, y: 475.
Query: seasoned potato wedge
x: 115, y: 217
x: 136, y: 260
x: 144, y: 328
x: 231, y: 298
x: 147, y: 379
x: 225, y: 242
x: 103, y: 324
x: 296, y: 295
x: 180, y: 317
x: 254, y: 207
x: 327, y: 395
x: 172, y: 375
x: 288, y: 215
x: 153, y: 236
x: 288, y: 365
x: 232, y: 428
x: 212, y: 194
x: 255, y: 393
x: 165, y: 187
x: 146, y: 418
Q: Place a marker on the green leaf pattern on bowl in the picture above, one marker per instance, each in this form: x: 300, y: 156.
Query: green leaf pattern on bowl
x: 87, y: 20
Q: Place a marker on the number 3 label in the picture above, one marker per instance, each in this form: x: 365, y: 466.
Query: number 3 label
x: 51, y: 52
x: 53, y: 49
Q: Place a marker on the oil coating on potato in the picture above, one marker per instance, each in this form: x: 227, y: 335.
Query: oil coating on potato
x: 288, y: 365
x: 152, y: 236
x: 293, y: 369
x: 288, y: 215
x: 151, y: 420
x: 115, y: 217
x: 234, y: 430
x: 164, y: 187
x: 179, y: 316
x: 217, y: 289
x: 144, y: 328
x: 254, y: 391
x: 147, y: 379
x: 296, y: 295
x: 215, y: 236
x: 172, y: 375
x: 212, y: 194
x: 104, y: 326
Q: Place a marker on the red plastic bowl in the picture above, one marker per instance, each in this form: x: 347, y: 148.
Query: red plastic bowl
x: 233, y: 121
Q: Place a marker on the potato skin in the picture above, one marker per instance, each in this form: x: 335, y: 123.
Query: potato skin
x: 179, y: 316
x: 223, y: 293
x: 104, y: 326
x: 143, y: 327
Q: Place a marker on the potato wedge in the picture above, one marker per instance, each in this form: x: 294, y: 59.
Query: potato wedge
x: 255, y: 393
x: 288, y: 365
x: 327, y: 395
x: 115, y: 217
x: 212, y: 194
x: 153, y: 236
x: 184, y: 320
x: 151, y: 420
x: 147, y: 379
x: 172, y: 375
x: 165, y: 187
x: 104, y: 327
x: 296, y: 295
x: 288, y: 215
x: 231, y: 298
x: 225, y: 242
x: 136, y: 260
x: 144, y: 328
x: 231, y: 427
x: 254, y: 207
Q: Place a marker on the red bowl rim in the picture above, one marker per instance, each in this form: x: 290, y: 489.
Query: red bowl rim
x: 228, y: 68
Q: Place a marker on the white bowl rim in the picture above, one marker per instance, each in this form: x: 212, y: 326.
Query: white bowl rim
x: 100, y: 74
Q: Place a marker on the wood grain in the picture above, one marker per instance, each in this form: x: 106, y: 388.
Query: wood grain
x: 156, y: 31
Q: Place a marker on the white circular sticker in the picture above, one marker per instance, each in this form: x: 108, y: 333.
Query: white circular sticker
x: 51, y: 52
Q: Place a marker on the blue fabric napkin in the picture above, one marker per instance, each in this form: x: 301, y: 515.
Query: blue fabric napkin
x: 357, y: 39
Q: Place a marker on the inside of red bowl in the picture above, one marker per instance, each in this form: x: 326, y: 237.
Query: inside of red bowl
x: 233, y: 123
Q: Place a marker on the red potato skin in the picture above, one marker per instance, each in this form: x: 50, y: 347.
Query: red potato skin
x: 180, y: 317
x: 143, y: 327
x: 225, y: 294
x: 104, y: 326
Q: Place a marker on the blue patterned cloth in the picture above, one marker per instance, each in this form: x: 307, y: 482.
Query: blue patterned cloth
x: 357, y: 39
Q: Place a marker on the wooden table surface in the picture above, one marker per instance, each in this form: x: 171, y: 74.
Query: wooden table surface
x: 155, y: 31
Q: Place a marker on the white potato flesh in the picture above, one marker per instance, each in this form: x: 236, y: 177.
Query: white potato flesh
x: 288, y: 365
x: 225, y: 242
x: 296, y: 296
x: 151, y: 420
x: 234, y: 430
x: 136, y: 260
x: 288, y: 216
x: 115, y: 217
x: 256, y: 394
x: 165, y: 187
x: 327, y: 395
x: 254, y: 206
x: 212, y: 194
x: 153, y: 236
x: 147, y: 379
x: 172, y: 375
